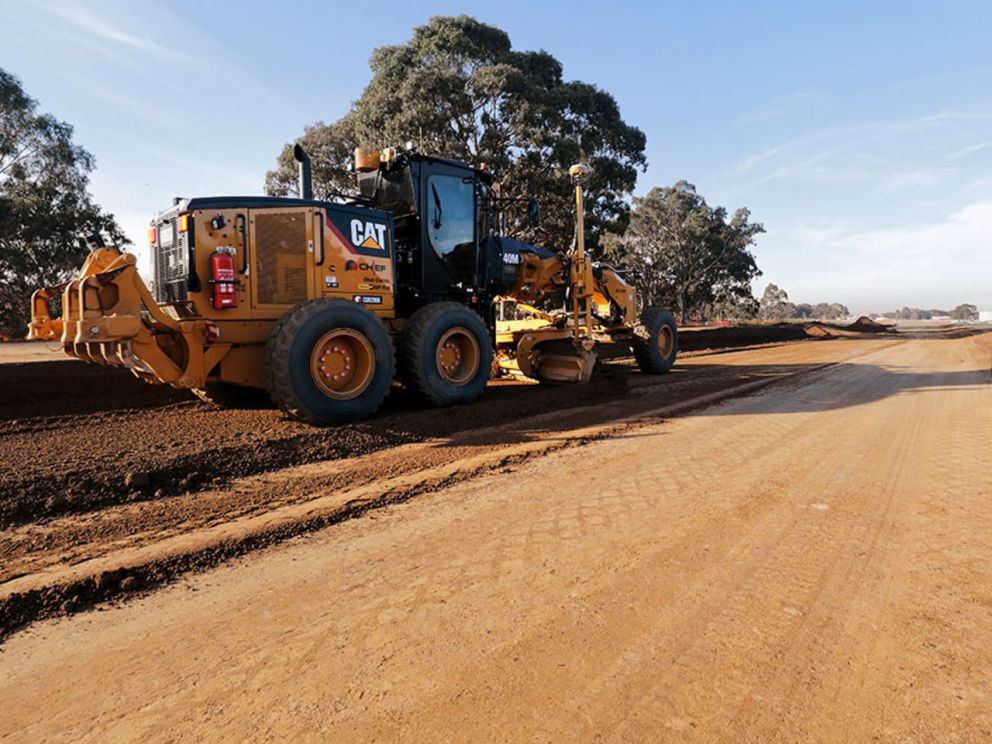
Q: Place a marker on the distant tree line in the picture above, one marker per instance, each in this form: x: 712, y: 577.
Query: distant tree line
x: 964, y: 311
x: 775, y: 305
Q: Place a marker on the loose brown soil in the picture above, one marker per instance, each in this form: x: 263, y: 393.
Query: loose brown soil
x: 125, y: 464
x: 801, y: 564
x: 92, y: 435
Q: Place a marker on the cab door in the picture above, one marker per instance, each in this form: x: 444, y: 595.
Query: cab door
x: 449, y: 220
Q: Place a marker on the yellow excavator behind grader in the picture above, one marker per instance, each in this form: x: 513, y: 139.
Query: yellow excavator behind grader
x: 319, y: 304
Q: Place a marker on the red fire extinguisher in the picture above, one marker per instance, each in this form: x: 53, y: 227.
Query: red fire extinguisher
x: 222, y: 277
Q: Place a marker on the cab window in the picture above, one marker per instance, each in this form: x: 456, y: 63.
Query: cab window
x: 451, y: 221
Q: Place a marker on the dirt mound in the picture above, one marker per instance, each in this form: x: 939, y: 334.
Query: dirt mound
x: 864, y: 324
x: 820, y: 330
x: 78, y: 486
x: 77, y: 438
x: 724, y: 337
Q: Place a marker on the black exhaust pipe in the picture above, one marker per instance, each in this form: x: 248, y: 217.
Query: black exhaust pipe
x: 306, y: 180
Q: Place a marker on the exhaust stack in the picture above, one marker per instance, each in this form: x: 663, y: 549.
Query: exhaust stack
x: 306, y: 180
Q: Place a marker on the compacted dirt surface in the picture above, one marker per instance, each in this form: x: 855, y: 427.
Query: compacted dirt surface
x: 784, y: 541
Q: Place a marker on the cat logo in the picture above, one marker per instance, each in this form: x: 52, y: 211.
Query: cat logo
x: 368, y: 234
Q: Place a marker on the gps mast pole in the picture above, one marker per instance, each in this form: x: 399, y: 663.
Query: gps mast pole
x: 581, y: 270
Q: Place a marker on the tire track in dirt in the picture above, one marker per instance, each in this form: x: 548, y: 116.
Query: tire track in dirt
x: 852, y: 570
x: 751, y: 563
x: 763, y: 574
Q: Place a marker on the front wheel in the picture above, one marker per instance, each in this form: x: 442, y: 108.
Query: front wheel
x: 328, y: 361
x: 656, y: 350
x: 445, y: 353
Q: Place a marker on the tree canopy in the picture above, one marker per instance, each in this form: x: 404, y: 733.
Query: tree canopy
x: 458, y: 89
x: 964, y: 311
x: 44, y: 203
x: 687, y: 254
x: 775, y: 305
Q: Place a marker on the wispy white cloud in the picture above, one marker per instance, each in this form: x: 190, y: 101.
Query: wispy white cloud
x: 756, y: 158
x: 777, y: 108
x: 105, y: 31
x: 921, y: 122
x: 921, y: 177
x: 879, y: 154
x: 127, y: 106
x: 979, y: 186
x: 935, y: 263
x: 970, y: 150
x: 942, y: 78
x: 230, y: 177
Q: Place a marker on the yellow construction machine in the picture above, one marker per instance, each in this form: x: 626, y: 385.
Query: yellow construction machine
x: 319, y: 305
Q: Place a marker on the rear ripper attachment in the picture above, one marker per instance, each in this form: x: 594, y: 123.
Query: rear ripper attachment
x: 110, y: 317
x: 318, y: 305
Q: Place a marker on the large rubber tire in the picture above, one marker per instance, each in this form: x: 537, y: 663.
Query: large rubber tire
x: 229, y: 395
x: 656, y: 353
x: 289, y: 354
x: 420, y: 368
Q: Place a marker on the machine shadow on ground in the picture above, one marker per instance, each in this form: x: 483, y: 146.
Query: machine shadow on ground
x: 862, y: 384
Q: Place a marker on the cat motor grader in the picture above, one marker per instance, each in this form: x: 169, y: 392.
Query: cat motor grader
x: 319, y: 304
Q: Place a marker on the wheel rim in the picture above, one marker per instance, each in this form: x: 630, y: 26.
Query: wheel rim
x: 342, y: 363
x: 666, y: 340
x: 458, y: 356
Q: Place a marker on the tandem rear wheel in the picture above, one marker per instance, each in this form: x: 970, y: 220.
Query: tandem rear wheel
x: 445, y: 354
x: 328, y: 361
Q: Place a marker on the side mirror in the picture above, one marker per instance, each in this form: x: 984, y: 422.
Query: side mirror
x: 533, y: 214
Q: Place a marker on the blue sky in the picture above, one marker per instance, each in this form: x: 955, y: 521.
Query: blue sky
x: 859, y: 133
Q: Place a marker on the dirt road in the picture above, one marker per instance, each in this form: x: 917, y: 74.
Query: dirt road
x: 77, y: 526
x: 810, y: 562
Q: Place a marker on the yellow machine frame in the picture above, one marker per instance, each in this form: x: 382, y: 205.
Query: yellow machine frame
x: 109, y: 316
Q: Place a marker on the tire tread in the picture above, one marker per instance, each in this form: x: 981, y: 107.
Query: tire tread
x: 646, y: 352
x: 276, y: 371
x: 412, y: 340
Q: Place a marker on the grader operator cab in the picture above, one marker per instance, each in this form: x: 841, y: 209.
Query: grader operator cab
x: 319, y: 304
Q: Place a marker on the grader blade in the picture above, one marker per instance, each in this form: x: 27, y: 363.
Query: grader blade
x: 576, y: 366
x: 553, y: 355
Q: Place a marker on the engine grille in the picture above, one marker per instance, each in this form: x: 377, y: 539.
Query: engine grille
x: 280, y: 257
x: 170, y: 263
